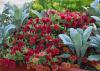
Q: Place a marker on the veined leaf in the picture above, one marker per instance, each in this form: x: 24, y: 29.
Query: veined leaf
x: 9, y: 27
x: 77, y: 41
x: 94, y: 57
x: 64, y: 56
x: 86, y: 34
x: 66, y: 39
x: 37, y: 13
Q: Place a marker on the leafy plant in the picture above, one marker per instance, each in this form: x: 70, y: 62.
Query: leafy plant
x: 95, y: 42
x: 15, y: 15
x: 5, y: 31
x: 77, y: 41
x: 94, y: 11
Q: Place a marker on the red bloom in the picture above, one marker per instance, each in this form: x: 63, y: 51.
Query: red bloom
x: 68, y: 18
x: 85, y: 27
x: 20, y: 37
x: 26, y: 28
x: 21, y: 44
x: 84, y: 59
x: 73, y: 58
x: 14, y: 49
x: 30, y: 21
x: 55, y: 40
x: 62, y: 16
x: 93, y: 63
x: 92, y: 20
x: 32, y: 41
x: 55, y: 51
x: 74, y: 24
x: 45, y: 20
x: 37, y: 20
x: 56, y: 27
x: 85, y: 18
x: 67, y: 25
x: 48, y: 38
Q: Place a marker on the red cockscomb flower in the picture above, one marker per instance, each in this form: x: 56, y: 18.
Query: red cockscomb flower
x: 56, y: 27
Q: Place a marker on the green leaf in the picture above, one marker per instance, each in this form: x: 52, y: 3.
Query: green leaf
x: 94, y: 57
x: 36, y: 13
x: 8, y: 28
x: 87, y: 34
x: 54, y: 59
x: 84, y: 49
x: 76, y: 37
x: 64, y: 56
x: 66, y: 39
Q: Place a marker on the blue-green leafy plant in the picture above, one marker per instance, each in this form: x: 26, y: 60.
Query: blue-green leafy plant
x: 77, y: 41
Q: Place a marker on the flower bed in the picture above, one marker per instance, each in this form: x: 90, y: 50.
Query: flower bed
x: 37, y: 44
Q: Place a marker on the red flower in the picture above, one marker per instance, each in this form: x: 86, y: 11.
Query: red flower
x: 14, y: 49
x: 26, y: 28
x: 21, y: 44
x: 92, y: 20
x: 37, y: 20
x: 84, y: 59
x: 45, y: 20
x: 73, y: 58
x: 93, y: 63
x: 20, y: 37
x: 56, y: 27
x: 85, y: 27
x: 67, y: 25
x: 55, y: 51
x: 62, y: 16
x: 30, y: 21
x: 68, y: 18
x: 55, y: 40
x: 74, y: 24
x: 32, y: 41
x: 48, y: 38
x: 85, y: 18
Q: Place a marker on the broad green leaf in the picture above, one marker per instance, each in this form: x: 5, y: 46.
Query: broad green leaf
x: 66, y: 39
x: 87, y: 34
x: 64, y: 55
x: 8, y: 28
x: 84, y: 49
x: 77, y: 41
x: 37, y: 13
x: 94, y: 57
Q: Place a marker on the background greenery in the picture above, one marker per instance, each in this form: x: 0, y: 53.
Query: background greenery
x: 60, y: 4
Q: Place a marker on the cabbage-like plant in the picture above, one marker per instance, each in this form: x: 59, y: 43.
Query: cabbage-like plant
x: 95, y: 42
x: 77, y: 41
x: 5, y: 31
x: 14, y: 14
x: 94, y: 11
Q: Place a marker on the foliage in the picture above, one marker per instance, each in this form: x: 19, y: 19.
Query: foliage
x: 14, y: 15
x: 94, y: 11
x: 95, y: 42
x: 78, y: 40
x: 60, y: 5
